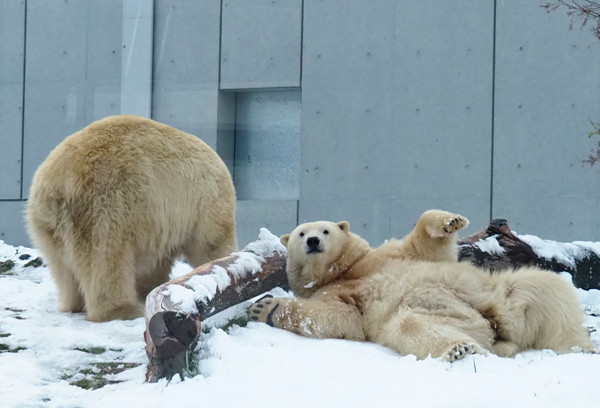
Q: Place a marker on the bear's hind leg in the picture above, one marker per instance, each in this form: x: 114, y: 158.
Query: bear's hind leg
x: 210, y: 241
x: 70, y: 297
x: 542, y: 311
x: 110, y: 287
x: 504, y: 348
x: 424, y: 334
x: 158, y: 275
x: 56, y: 255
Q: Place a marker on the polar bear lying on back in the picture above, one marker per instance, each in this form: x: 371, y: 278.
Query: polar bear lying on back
x: 413, y: 297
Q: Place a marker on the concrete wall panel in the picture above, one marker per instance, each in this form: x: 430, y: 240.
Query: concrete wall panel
x: 261, y: 44
x: 186, y: 66
x: 11, y: 97
x: 279, y: 217
x: 136, y: 63
x: 547, y: 91
x: 395, y: 111
x: 12, y: 224
x: 12, y: 28
x: 267, y: 145
x: 72, y: 76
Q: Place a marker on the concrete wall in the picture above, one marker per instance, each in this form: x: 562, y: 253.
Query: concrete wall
x: 323, y: 109
x: 547, y: 91
x: 12, y: 40
x: 396, y: 112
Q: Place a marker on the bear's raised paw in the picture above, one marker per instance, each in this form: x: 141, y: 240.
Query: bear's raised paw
x: 262, y: 310
x: 440, y: 224
x: 454, y: 223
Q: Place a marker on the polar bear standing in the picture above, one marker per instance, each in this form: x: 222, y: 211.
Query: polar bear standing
x: 114, y: 204
x: 421, y: 303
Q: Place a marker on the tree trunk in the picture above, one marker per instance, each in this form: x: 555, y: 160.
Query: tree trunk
x: 497, y: 248
x: 174, y: 311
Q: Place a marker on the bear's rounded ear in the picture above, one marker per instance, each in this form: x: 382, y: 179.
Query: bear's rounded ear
x: 285, y: 238
x: 344, y: 226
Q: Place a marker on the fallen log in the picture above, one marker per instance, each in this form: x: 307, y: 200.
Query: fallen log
x: 175, y: 310
x: 498, y: 248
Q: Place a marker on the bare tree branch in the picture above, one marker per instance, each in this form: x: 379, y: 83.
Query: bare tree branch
x: 584, y: 10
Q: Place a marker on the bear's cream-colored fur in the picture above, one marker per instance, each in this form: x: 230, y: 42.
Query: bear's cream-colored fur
x: 433, y: 239
x: 114, y: 204
x: 413, y: 297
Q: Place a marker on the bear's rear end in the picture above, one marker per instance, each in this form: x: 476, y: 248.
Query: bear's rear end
x: 114, y: 204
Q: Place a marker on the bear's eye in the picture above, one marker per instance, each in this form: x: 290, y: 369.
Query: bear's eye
x: 326, y: 232
x: 302, y: 234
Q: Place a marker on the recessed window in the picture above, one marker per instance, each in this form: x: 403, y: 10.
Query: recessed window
x: 267, y: 145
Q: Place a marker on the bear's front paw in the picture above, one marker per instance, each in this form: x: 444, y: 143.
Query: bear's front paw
x: 460, y: 351
x: 454, y: 223
x: 263, y: 309
x: 440, y: 224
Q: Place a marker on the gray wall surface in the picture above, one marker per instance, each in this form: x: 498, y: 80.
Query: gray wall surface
x: 396, y: 112
x: 547, y: 91
x: 12, y: 40
x: 368, y: 111
x: 261, y: 44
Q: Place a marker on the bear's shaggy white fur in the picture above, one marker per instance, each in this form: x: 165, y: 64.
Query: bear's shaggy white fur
x: 114, y: 204
x: 413, y: 297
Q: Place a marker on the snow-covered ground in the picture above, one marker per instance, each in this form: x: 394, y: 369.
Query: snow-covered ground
x: 44, y: 354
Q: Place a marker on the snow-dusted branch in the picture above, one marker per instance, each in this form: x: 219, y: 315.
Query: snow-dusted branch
x: 584, y: 10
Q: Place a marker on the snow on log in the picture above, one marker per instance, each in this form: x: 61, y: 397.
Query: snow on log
x: 174, y: 310
x: 497, y: 248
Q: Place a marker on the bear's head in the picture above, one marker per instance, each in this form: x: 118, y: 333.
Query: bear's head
x: 319, y: 253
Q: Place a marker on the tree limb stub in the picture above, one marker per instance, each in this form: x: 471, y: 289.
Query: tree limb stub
x: 174, y: 311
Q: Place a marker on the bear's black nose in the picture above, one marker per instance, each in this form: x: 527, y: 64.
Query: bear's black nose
x: 313, y: 244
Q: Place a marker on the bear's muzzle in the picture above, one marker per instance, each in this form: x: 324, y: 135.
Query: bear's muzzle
x: 313, y: 245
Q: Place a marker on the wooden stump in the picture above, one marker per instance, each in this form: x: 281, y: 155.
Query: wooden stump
x: 175, y: 310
